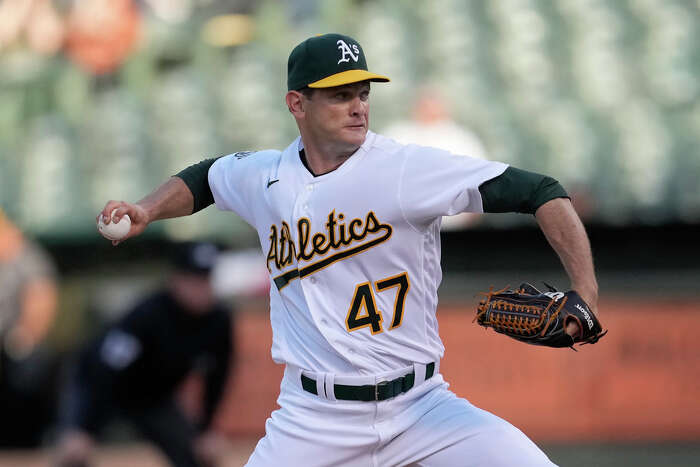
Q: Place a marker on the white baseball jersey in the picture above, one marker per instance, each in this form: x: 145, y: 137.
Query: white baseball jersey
x: 353, y: 255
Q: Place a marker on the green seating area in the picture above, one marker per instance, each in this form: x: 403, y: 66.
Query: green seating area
x: 604, y: 96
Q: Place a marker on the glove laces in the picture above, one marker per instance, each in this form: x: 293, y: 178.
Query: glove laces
x: 510, y: 317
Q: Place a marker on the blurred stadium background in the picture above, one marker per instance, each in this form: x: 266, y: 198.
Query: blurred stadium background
x: 104, y: 99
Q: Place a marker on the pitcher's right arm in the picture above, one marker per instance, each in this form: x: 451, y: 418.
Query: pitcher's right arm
x: 181, y: 195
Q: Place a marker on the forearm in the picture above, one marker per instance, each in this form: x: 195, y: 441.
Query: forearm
x: 180, y: 195
x: 172, y: 199
x: 567, y: 236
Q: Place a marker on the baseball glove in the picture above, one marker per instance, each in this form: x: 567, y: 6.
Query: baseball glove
x: 539, y: 318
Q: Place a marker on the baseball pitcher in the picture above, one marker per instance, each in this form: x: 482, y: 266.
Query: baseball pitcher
x: 349, y: 222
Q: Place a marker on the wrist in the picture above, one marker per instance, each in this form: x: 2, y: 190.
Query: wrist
x: 146, y: 213
x: 588, y: 294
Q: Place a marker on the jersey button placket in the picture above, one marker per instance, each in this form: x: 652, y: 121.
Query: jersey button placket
x: 301, y: 206
x: 302, y: 209
x: 305, y: 207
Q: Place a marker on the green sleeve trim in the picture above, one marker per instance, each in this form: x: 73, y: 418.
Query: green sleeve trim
x: 197, y: 180
x: 517, y: 190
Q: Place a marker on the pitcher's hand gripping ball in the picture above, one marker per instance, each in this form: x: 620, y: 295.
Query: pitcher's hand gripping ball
x: 114, y: 230
x: 539, y: 318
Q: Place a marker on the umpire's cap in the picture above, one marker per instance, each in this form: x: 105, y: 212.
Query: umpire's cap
x: 195, y: 257
x: 328, y: 60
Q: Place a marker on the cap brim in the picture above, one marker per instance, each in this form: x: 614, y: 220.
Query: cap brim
x: 347, y: 77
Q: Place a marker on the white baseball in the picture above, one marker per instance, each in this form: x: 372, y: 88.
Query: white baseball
x: 114, y: 230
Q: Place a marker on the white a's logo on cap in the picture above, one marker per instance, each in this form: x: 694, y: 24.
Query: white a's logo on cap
x: 346, y: 52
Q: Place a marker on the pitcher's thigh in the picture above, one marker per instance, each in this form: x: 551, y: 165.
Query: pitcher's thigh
x: 455, y: 433
x: 290, y: 443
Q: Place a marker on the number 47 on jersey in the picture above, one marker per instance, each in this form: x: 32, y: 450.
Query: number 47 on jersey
x: 363, y: 310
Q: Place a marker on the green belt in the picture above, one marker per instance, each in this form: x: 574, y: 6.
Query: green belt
x: 370, y: 392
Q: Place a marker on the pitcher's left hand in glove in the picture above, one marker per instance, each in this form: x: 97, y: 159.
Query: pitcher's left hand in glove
x: 539, y: 318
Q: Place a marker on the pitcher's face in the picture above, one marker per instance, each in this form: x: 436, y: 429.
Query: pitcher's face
x: 339, y: 116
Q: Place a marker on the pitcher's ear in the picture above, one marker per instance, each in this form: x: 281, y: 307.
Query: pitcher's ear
x: 295, y: 103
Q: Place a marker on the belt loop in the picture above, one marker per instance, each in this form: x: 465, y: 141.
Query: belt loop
x: 292, y: 372
x: 329, y: 379
x: 321, y: 384
x: 429, y: 370
x: 419, y: 369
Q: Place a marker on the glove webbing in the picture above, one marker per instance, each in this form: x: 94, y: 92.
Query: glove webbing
x: 520, y: 324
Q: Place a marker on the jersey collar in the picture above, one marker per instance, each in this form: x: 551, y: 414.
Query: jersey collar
x: 298, y: 144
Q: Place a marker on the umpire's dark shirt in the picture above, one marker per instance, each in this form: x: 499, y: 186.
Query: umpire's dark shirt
x: 144, y: 357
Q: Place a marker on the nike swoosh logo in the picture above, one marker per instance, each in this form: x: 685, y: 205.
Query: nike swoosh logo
x: 270, y: 182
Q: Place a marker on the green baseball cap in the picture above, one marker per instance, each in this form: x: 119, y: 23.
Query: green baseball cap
x: 328, y: 60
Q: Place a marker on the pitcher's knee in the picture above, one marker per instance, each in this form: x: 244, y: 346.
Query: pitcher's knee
x: 507, y: 446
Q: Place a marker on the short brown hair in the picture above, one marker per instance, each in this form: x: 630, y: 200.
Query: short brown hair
x: 307, y: 92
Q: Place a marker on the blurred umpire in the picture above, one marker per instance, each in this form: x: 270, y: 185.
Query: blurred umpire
x: 133, y: 369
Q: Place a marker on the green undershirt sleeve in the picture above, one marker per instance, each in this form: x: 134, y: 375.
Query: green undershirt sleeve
x: 517, y: 190
x: 197, y: 180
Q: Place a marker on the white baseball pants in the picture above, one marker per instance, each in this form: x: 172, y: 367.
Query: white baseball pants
x: 428, y: 426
